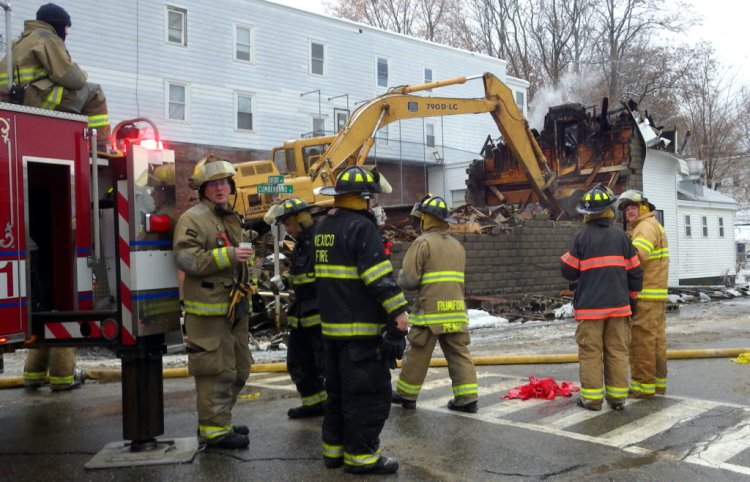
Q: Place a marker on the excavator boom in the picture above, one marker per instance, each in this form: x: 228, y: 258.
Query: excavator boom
x: 352, y: 144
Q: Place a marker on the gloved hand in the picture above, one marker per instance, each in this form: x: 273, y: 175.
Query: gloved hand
x: 393, y: 346
x: 277, y: 284
x: 633, y: 306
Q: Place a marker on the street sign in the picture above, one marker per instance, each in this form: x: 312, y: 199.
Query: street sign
x: 275, y: 179
x: 275, y: 189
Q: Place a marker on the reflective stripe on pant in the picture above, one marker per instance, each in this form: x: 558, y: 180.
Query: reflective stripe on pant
x: 304, y: 361
x: 358, y: 383
x: 603, y: 349
x: 219, y: 358
x: 60, y: 362
x: 455, y: 348
x: 648, y: 347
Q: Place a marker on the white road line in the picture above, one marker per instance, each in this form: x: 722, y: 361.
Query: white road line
x: 571, y: 416
x: 661, y: 421
x: 723, y: 446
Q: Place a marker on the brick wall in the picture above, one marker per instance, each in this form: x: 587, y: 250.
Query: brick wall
x: 523, y: 260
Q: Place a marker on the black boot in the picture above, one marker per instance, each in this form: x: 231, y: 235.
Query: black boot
x: 241, y: 429
x: 385, y: 465
x: 232, y: 440
x: 468, y: 408
x: 399, y: 400
x: 307, y: 411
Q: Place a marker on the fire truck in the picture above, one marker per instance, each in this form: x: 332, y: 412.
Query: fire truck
x: 84, y: 260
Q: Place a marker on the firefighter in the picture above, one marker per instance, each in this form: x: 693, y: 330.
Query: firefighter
x: 604, y: 263
x: 47, y: 77
x: 434, y: 265
x: 364, y: 323
x: 163, y: 192
x: 648, y: 340
x: 206, y: 246
x: 58, y: 362
x: 304, y: 355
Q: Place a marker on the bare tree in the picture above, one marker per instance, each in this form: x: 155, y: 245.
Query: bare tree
x: 710, y: 110
x: 622, y: 24
x: 394, y: 15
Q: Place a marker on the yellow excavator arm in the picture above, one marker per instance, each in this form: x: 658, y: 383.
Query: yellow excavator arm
x: 353, y: 143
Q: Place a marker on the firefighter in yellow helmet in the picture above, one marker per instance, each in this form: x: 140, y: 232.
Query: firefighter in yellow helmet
x: 364, y: 323
x: 304, y: 355
x: 207, y: 248
x: 604, y: 264
x: 434, y: 265
x: 648, y: 339
x: 47, y: 77
x: 163, y: 191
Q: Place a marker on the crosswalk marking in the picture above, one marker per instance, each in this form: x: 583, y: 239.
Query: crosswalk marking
x: 674, y: 411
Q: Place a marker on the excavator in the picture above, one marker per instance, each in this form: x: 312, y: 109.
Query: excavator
x: 313, y: 162
x: 584, y: 149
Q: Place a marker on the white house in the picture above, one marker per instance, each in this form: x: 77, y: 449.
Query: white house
x: 250, y: 74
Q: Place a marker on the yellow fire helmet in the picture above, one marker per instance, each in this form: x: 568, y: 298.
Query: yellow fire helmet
x: 211, y: 168
x: 162, y: 176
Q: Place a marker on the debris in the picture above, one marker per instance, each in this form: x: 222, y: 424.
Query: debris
x: 743, y: 358
x: 546, y: 389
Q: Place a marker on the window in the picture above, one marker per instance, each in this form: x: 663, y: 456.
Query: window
x: 429, y: 130
x: 176, y: 26
x: 704, y: 225
x: 520, y: 101
x: 721, y: 227
x: 382, y: 72
x: 427, y: 75
x: 458, y: 198
x: 687, y: 226
x: 244, y: 40
x: 319, y: 126
x: 382, y: 136
x: 317, y: 58
x: 244, y: 107
x: 177, y: 101
x: 660, y: 216
x: 341, y: 117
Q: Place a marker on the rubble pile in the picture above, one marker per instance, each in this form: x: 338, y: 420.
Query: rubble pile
x: 520, y: 308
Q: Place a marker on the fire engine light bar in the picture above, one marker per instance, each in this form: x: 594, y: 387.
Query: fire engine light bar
x: 157, y: 223
x: 151, y: 144
x: 110, y: 329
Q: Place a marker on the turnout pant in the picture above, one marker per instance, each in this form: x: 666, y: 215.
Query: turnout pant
x: 461, y: 369
x: 219, y: 358
x: 358, y: 383
x: 603, y: 350
x: 304, y: 360
x: 648, y: 348
x: 61, y: 363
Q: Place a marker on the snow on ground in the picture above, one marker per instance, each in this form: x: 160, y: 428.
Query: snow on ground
x: 482, y: 319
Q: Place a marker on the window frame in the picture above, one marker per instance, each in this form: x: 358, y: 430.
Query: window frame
x: 688, y: 227
x: 704, y: 226
x: 377, y: 72
x: 318, y: 132
x: 721, y: 226
x: 251, y: 96
x: 522, y: 95
x: 310, y: 43
x: 184, y: 34
x: 336, y: 115
x: 427, y: 126
x: 168, y: 101
x: 251, y: 30
x: 432, y: 76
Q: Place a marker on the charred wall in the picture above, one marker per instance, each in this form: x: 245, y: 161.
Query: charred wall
x: 524, y: 260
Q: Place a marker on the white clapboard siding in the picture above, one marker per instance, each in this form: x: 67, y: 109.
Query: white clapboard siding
x: 711, y: 255
x: 121, y: 45
x: 660, y: 187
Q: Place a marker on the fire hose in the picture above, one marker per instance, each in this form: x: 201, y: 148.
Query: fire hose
x: 105, y: 375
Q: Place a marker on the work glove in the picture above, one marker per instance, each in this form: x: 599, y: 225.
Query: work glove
x: 277, y: 284
x: 393, y: 346
x: 633, y: 306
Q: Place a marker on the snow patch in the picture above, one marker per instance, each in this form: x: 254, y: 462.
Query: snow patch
x: 565, y: 311
x: 482, y: 319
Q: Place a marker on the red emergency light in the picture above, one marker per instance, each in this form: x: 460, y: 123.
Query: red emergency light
x: 110, y: 329
x: 3, y: 340
x: 151, y: 144
x: 158, y: 223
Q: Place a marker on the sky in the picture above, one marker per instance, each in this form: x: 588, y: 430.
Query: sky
x: 725, y: 25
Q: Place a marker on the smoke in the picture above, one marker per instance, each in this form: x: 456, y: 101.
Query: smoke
x: 581, y: 88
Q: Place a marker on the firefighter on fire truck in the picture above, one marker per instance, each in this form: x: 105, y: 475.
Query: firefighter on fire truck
x: 208, y: 246
x: 45, y: 76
